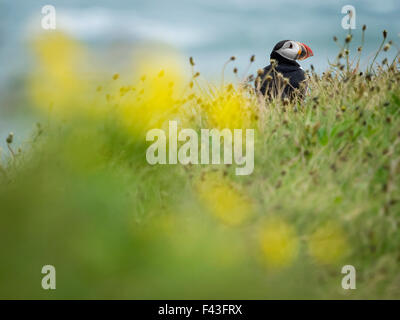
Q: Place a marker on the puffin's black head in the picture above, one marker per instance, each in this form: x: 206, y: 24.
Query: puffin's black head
x: 289, y: 51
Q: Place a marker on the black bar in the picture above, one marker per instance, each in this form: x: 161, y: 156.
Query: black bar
x: 201, y: 309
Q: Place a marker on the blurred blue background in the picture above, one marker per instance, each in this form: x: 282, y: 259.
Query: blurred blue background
x: 209, y: 30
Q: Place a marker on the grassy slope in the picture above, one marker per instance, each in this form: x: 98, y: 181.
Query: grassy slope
x: 326, y: 179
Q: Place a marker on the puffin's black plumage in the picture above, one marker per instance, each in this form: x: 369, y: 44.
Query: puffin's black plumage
x: 286, y: 75
x: 291, y: 71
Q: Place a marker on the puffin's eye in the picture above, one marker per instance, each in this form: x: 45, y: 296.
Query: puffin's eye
x: 291, y: 46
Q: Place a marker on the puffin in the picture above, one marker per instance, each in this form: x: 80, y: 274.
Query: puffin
x: 284, y: 77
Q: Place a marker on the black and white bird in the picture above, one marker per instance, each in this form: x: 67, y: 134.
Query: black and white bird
x: 284, y: 75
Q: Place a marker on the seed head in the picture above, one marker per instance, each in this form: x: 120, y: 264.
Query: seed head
x: 386, y: 47
x: 191, y: 61
x: 115, y: 76
x: 384, y: 33
x: 348, y: 38
x: 235, y: 70
x: 252, y: 58
x: 364, y: 27
x: 335, y: 38
x: 233, y: 58
x: 10, y: 138
x: 260, y: 72
x: 285, y: 81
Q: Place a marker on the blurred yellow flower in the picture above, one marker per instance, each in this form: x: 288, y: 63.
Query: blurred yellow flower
x: 56, y: 83
x: 230, y: 108
x: 160, y: 80
x: 224, y: 199
x: 328, y: 244
x: 279, y: 244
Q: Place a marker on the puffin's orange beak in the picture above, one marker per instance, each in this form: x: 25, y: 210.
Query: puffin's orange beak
x: 304, y: 51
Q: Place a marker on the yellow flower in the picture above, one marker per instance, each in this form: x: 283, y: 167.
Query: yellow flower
x: 57, y: 83
x: 328, y: 244
x: 160, y: 81
x: 230, y: 108
x: 279, y: 244
x: 224, y: 200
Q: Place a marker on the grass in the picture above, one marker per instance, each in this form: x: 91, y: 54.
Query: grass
x: 324, y: 193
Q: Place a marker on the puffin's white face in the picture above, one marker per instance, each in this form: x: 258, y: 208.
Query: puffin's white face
x: 289, y: 50
x: 294, y: 50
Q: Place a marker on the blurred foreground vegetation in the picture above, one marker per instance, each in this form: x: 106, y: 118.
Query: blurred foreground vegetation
x: 80, y: 195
